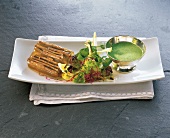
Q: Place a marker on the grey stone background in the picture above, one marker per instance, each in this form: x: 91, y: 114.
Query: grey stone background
x: 19, y: 118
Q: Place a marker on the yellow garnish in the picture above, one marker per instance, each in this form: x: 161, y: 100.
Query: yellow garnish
x: 105, y: 50
x: 114, y: 65
x: 94, y: 43
x: 67, y: 76
x: 63, y: 67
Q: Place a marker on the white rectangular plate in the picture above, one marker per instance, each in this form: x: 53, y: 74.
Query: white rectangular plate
x: 149, y: 68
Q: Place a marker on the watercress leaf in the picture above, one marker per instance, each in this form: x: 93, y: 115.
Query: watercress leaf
x: 102, y: 46
x: 80, y: 57
x: 84, y: 52
x: 106, y: 62
x: 94, y: 49
x: 79, y: 78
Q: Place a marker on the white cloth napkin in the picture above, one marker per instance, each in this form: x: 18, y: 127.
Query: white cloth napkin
x: 58, y: 94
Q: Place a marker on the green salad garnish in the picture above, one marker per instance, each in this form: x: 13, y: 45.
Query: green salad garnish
x: 88, y: 66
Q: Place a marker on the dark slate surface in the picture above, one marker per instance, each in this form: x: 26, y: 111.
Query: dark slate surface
x: 118, y: 119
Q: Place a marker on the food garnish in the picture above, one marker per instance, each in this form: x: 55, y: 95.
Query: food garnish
x: 88, y: 66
